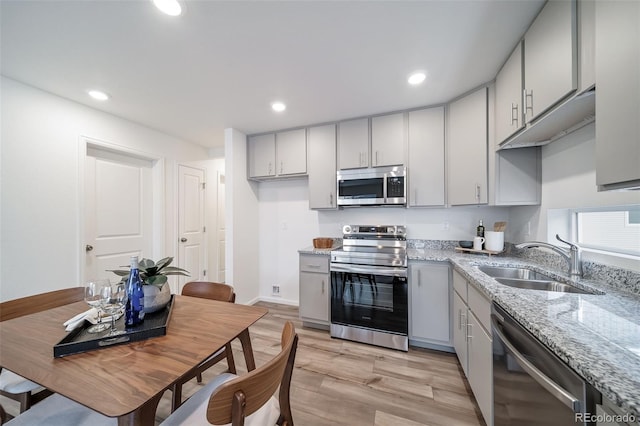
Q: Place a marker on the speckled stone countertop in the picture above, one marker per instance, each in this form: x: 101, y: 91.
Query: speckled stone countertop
x: 598, y: 335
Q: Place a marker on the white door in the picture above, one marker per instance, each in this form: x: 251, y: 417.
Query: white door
x: 118, y: 214
x: 221, y: 229
x: 191, y: 229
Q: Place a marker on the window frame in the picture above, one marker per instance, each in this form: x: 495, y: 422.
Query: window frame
x: 575, y: 230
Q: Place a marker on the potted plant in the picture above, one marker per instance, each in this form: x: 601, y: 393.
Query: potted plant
x: 154, y: 277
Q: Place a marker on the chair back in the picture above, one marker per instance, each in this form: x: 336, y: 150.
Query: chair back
x: 40, y: 302
x: 244, y: 395
x: 209, y: 290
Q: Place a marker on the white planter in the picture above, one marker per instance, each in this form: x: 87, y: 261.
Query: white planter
x: 155, y: 298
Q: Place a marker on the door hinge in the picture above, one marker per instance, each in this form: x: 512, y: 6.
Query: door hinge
x: 204, y: 185
x: 204, y: 273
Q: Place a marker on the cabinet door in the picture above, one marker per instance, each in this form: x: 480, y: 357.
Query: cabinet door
x: 480, y: 372
x: 388, y: 140
x: 430, y: 303
x: 262, y: 155
x: 467, y: 144
x: 459, y: 322
x: 314, y: 296
x: 618, y: 94
x: 291, y: 152
x: 508, y: 118
x: 321, y: 143
x: 426, y: 157
x: 550, y: 57
x: 353, y: 144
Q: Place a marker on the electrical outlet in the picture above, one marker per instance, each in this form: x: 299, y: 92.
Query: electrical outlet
x: 275, y: 291
x: 528, y: 230
x: 445, y: 226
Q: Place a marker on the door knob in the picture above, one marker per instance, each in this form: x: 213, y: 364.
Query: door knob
x: 183, y: 240
x: 88, y: 247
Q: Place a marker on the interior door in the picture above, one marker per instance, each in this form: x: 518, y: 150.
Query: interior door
x: 191, y: 228
x: 118, y: 214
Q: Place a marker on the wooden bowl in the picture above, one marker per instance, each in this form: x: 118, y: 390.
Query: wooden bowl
x: 322, y: 243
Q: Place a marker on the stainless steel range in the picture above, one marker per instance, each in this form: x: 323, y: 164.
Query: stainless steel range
x: 369, y: 299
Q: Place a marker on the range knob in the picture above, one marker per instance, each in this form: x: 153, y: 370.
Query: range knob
x: 346, y: 229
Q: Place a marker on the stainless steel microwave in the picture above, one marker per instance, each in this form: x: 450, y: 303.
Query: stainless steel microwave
x: 372, y: 187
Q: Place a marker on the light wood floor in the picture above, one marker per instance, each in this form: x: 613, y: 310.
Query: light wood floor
x: 338, y: 382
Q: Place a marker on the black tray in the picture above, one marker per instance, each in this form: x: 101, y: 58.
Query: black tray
x: 79, y: 340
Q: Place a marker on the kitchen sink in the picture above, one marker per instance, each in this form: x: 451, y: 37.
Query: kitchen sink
x: 526, y: 278
x: 513, y: 273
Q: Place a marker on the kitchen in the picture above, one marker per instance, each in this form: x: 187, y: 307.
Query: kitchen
x: 275, y: 213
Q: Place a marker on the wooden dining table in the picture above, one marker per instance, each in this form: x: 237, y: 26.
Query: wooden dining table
x: 125, y: 381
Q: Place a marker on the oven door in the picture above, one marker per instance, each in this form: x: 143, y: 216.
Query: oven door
x: 372, y: 297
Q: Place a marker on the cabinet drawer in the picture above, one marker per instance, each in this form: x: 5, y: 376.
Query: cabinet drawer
x: 480, y: 306
x: 314, y: 263
x: 460, y: 285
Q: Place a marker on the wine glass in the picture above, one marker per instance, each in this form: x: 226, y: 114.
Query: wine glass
x: 93, y: 295
x: 115, y: 297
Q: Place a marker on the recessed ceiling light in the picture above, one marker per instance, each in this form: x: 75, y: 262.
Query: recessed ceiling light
x: 98, y: 95
x: 170, y: 7
x: 278, y: 106
x: 417, y: 78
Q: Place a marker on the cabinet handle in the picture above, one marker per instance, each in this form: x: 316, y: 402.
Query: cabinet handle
x: 322, y: 286
x: 419, y: 278
x: 281, y: 167
x: 269, y: 168
x: 514, y: 114
x: 528, y: 106
x: 478, y: 192
x: 314, y: 266
x: 331, y: 198
x: 377, y: 161
x: 462, y: 319
x: 469, y: 331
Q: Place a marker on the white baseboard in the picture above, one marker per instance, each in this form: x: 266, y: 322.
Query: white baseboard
x: 278, y: 300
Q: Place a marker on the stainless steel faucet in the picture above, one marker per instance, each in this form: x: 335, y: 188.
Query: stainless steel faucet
x: 573, y: 254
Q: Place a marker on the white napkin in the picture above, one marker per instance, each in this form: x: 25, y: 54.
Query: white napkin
x: 90, y: 315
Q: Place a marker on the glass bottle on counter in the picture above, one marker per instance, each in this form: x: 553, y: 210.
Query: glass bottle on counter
x: 134, y: 310
x: 480, y: 229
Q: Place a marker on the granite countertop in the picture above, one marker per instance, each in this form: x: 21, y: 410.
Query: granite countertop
x: 598, y: 335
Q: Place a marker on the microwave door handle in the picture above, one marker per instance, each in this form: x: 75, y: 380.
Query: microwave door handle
x: 384, y: 188
x: 543, y: 380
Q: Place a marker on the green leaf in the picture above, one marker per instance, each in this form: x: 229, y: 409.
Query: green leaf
x: 176, y: 273
x: 119, y: 272
x: 157, y: 280
x: 174, y: 269
x: 146, y: 264
x: 164, y: 262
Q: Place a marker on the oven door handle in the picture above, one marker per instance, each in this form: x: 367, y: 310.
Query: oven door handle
x: 373, y: 270
x: 543, y: 380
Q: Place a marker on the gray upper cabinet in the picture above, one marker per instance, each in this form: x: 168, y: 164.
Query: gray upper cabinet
x: 321, y: 143
x: 262, y: 156
x: 618, y: 94
x: 509, y: 114
x: 467, y: 149
x: 388, y: 140
x: 291, y: 152
x: 280, y: 154
x: 550, y: 58
x: 426, y: 158
x: 353, y: 144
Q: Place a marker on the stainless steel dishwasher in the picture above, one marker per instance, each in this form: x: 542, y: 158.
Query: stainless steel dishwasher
x: 531, y: 385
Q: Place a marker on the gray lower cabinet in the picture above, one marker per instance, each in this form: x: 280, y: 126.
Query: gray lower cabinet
x: 471, y: 319
x: 430, y: 305
x: 315, y: 290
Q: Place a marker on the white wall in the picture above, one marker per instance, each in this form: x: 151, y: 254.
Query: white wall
x: 39, y: 205
x: 287, y: 225
x: 242, y: 216
x: 569, y: 182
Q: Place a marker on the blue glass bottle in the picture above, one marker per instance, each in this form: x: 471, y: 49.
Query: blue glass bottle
x: 134, y: 311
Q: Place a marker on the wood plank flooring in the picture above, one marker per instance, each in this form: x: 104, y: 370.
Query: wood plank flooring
x: 337, y: 382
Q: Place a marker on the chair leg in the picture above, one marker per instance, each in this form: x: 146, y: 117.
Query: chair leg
x: 199, y: 377
x: 230, y: 362
x: 25, y: 401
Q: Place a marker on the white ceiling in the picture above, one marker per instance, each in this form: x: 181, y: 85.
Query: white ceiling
x: 221, y: 64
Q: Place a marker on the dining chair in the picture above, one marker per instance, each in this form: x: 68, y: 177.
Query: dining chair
x: 248, y: 399
x: 12, y: 385
x: 214, y: 291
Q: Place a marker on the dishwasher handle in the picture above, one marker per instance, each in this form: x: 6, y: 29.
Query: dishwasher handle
x: 543, y: 380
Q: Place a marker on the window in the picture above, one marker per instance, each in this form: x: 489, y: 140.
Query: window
x: 613, y: 229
